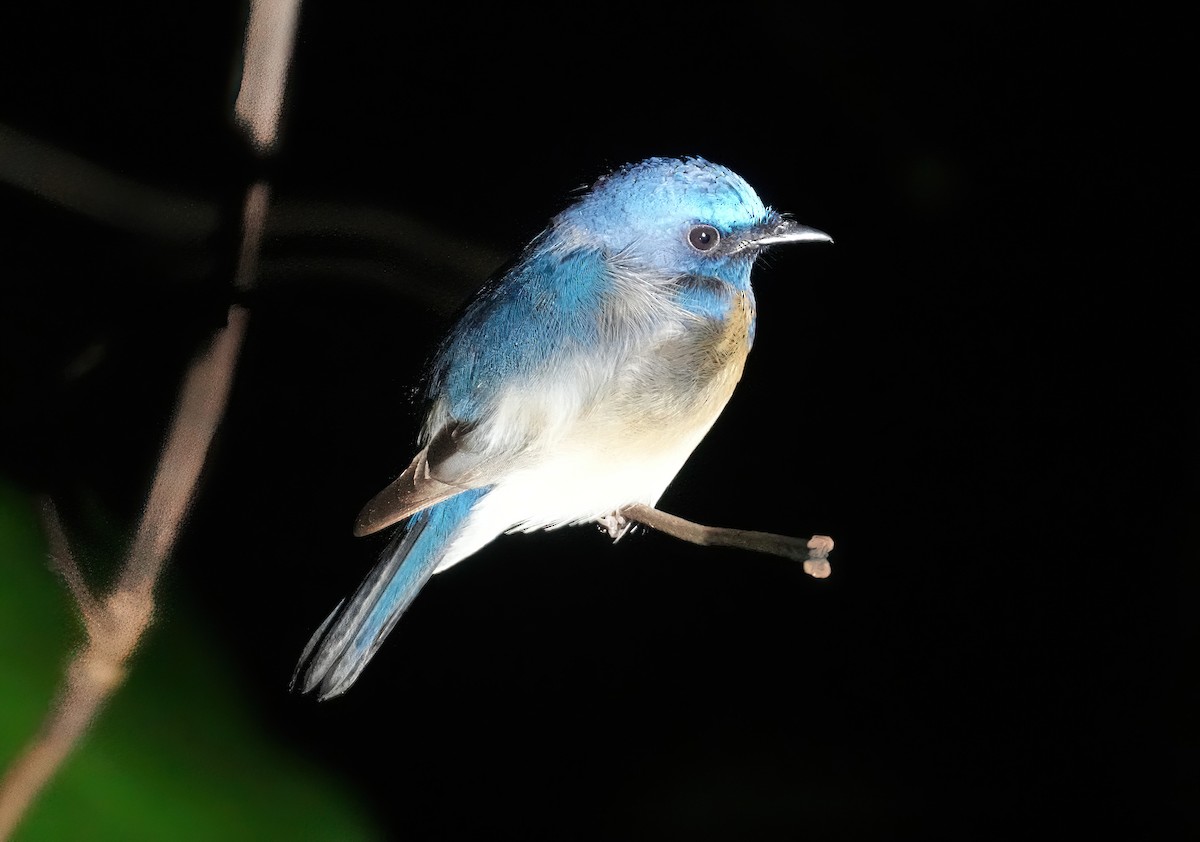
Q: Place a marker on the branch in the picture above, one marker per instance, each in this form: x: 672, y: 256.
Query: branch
x: 813, y: 552
x: 270, y: 35
x: 115, y: 623
x: 63, y: 562
x: 96, y: 192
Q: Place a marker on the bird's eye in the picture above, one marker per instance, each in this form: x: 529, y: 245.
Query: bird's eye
x: 704, y: 237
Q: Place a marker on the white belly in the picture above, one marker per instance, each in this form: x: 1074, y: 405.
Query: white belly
x: 602, y: 456
x: 594, y: 471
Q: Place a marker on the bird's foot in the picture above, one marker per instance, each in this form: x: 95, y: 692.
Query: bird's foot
x: 615, y: 524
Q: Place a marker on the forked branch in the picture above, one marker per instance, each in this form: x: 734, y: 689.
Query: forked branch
x: 116, y: 621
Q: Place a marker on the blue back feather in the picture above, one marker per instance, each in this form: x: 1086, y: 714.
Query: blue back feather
x: 543, y: 308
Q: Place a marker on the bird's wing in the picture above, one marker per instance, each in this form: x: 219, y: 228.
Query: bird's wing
x: 410, y: 492
x: 527, y: 324
x: 445, y: 467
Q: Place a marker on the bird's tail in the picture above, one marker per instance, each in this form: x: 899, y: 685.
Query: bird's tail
x: 350, y: 636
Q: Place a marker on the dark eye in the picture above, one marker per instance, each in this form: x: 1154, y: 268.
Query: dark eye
x: 704, y: 237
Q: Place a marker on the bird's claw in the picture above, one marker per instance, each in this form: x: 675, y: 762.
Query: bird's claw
x: 615, y: 524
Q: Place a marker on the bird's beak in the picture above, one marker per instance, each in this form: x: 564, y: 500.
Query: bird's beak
x: 789, y: 231
x: 780, y: 230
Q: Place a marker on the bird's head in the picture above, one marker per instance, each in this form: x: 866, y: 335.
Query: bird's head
x: 680, y: 216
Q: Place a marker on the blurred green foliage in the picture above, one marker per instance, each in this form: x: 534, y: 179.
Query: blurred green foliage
x: 175, y: 755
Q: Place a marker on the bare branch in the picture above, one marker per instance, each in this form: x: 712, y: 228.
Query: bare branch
x: 99, y: 193
x: 63, y: 561
x: 201, y: 404
x: 446, y: 265
x: 813, y: 552
x: 116, y: 623
x: 89, y: 680
x: 270, y: 35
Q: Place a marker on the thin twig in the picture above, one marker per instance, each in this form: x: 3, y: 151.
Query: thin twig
x: 813, y: 552
x: 96, y: 192
x: 63, y: 561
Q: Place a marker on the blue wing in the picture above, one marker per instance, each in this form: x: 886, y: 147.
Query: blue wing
x: 548, y: 305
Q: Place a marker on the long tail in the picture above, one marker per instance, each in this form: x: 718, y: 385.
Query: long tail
x: 350, y: 636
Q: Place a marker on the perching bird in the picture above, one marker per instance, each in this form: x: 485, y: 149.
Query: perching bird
x: 575, y: 383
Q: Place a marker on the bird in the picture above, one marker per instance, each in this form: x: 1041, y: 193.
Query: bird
x: 576, y: 382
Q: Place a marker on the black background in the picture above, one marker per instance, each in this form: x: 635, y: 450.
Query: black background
x: 984, y: 391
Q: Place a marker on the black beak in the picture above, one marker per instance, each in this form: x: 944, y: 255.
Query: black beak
x: 778, y: 230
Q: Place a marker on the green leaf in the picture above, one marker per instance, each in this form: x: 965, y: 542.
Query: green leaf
x: 175, y: 754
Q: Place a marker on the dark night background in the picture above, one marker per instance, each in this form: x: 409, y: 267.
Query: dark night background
x: 984, y: 391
